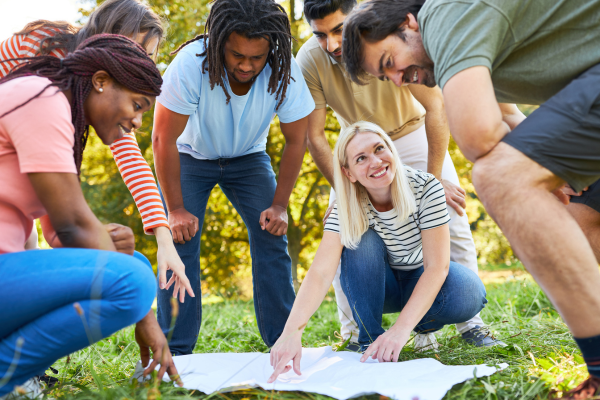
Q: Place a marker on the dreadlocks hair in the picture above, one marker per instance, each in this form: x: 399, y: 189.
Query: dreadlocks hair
x: 251, y: 19
x: 371, y: 22
x: 123, y: 59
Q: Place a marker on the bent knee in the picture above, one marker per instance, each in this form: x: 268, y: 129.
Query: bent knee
x: 135, y: 290
x: 465, y: 290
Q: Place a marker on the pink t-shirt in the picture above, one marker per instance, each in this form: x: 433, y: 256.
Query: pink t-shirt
x: 37, y: 137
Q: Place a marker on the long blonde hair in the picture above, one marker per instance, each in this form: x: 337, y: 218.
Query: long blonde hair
x: 352, y: 198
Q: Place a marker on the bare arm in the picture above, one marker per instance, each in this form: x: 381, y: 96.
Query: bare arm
x: 438, y: 138
x: 70, y: 222
x: 511, y: 115
x: 436, y: 262
x: 310, y: 296
x: 474, y: 116
x: 318, y: 144
x: 436, y: 126
x: 289, y: 168
x: 168, y: 126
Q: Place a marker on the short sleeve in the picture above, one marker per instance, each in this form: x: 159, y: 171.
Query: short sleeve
x: 182, y: 83
x: 432, y: 210
x: 311, y: 76
x: 332, y: 224
x: 41, y: 131
x: 298, y: 102
x: 458, y: 36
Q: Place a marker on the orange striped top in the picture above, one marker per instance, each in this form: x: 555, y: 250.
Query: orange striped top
x: 133, y: 167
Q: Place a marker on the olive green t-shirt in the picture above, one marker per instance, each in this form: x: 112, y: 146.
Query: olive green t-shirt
x: 533, y: 48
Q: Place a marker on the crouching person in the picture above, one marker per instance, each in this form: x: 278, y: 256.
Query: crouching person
x: 390, y: 228
x: 55, y: 302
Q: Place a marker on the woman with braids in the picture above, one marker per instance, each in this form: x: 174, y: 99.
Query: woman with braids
x: 205, y: 135
x: 137, y: 21
x: 89, y: 286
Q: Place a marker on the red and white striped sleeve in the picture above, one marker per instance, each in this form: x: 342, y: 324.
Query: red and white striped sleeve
x: 140, y: 181
x: 10, y: 48
x: 20, y: 46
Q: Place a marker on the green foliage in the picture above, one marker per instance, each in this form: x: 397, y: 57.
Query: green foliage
x: 225, y: 253
x: 541, y: 353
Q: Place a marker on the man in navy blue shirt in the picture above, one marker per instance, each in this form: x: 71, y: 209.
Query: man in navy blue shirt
x: 205, y: 135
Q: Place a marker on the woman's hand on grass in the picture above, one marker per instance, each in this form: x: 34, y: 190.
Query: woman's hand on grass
x: 168, y: 259
x: 387, y: 346
x: 149, y: 336
x: 287, y: 348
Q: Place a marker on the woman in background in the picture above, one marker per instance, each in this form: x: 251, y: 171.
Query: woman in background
x: 137, y: 21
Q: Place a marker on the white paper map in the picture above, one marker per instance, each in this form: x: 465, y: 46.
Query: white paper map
x: 337, y: 374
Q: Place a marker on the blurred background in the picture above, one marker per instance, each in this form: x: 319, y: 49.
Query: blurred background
x: 225, y: 254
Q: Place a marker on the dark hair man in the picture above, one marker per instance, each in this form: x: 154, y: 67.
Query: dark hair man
x: 485, y: 54
x: 420, y: 135
x: 205, y: 135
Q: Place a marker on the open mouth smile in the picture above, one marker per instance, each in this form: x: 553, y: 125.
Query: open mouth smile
x: 380, y: 172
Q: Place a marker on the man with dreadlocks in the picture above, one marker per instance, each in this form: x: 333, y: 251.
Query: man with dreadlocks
x: 64, y: 299
x: 204, y: 136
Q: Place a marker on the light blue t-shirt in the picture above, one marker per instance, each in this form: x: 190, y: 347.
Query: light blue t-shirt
x: 219, y: 130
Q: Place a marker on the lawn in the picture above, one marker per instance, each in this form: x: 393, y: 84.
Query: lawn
x: 541, y: 353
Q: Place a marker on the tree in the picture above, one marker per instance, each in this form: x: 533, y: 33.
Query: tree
x: 225, y: 253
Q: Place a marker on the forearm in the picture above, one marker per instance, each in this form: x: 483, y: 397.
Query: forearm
x: 84, y: 233
x: 438, y: 138
x: 316, y: 283
x: 163, y: 236
x: 319, y: 149
x: 422, y: 298
x: 511, y: 115
x: 168, y: 172
x: 289, y: 169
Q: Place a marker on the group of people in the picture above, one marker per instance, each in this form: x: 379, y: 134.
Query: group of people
x: 400, y: 75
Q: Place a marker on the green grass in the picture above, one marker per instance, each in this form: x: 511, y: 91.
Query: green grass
x: 541, y: 353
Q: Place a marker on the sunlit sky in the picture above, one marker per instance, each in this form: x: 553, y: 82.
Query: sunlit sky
x: 15, y: 14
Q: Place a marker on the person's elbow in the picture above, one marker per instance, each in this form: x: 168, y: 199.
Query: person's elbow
x: 478, y: 139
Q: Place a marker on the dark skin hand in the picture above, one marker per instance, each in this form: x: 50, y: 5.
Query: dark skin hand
x: 122, y: 237
x: 149, y: 337
x: 71, y: 223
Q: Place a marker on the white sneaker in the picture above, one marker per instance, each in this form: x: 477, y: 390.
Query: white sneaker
x: 31, y: 389
x: 426, y: 342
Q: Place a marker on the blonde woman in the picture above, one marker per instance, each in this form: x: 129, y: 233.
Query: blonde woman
x: 390, y: 228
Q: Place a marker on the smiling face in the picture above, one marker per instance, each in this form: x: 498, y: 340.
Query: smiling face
x: 370, y: 162
x: 114, y: 110
x: 245, y: 58
x: 328, y: 32
x: 400, y: 57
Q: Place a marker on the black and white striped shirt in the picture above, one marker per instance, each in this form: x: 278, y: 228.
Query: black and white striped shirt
x: 403, y: 238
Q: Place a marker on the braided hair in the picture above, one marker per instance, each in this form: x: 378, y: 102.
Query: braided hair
x: 251, y: 19
x: 123, y: 59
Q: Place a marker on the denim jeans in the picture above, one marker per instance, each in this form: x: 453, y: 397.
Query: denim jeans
x: 374, y: 288
x: 38, y: 321
x: 249, y: 184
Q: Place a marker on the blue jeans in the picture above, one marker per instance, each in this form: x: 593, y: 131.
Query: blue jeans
x: 249, y: 183
x: 38, y: 321
x: 374, y: 288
